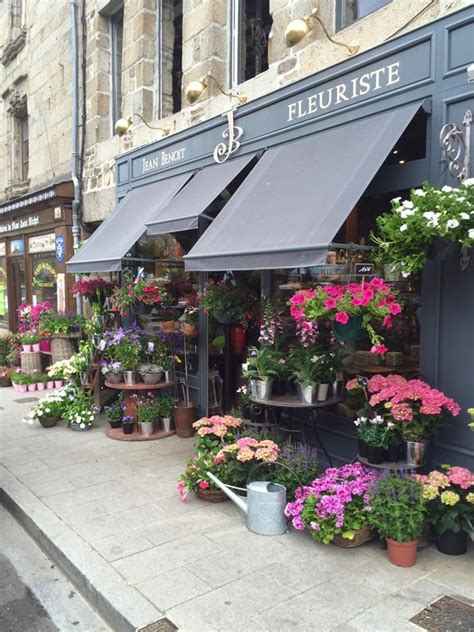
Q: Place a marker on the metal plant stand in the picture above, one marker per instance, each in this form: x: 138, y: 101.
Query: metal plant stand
x: 289, y: 403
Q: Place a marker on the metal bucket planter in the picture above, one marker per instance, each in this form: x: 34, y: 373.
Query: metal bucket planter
x: 151, y: 378
x: 115, y: 378
x: 261, y: 390
x: 323, y: 390
x: 166, y: 424
x: 129, y: 377
x: 148, y: 428
x: 307, y: 392
x: 416, y: 453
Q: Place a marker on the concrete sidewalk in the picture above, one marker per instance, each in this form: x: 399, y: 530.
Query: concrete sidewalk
x: 108, y: 514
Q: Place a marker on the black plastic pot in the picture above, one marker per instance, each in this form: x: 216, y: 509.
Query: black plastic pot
x: 392, y: 453
x: 128, y: 428
x: 115, y: 423
x: 363, y: 449
x: 452, y: 543
x: 375, y: 455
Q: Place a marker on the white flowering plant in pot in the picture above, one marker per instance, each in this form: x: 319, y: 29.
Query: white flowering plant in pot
x: 408, y: 231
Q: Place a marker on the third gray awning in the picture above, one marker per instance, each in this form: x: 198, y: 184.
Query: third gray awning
x: 105, y: 249
x: 291, y: 205
x: 183, y: 212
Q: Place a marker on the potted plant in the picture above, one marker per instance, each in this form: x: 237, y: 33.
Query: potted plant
x: 243, y: 455
x: 128, y: 424
x: 128, y: 353
x: 449, y: 496
x: 260, y: 370
x: 112, y: 371
x: 408, y: 232
x: 166, y: 404
x: 335, y: 507
x: 328, y: 368
x: 80, y: 413
x: 95, y: 291
x: 148, y: 412
x: 114, y: 413
x: 228, y: 302
x: 41, y: 380
x: 190, y: 320
x: 195, y: 478
x: 150, y: 373
x: 48, y: 412
x: 398, y: 513
x: 169, y: 318
x: 5, y: 376
x: 30, y: 342
x: 212, y: 432
x: 417, y: 408
x: 352, y: 308
x: 56, y: 372
x: 306, y: 365
x: 19, y: 381
x: 300, y: 467
x: 373, y: 432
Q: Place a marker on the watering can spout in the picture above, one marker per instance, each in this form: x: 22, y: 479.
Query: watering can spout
x: 238, y: 500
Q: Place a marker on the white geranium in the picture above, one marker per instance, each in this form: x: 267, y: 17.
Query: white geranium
x: 452, y: 223
x: 408, y: 204
x: 471, y: 233
x: 403, y: 228
x: 464, y: 216
x: 407, y: 213
x: 469, y: 182
x: 446, y: 189
x: 420, y: 192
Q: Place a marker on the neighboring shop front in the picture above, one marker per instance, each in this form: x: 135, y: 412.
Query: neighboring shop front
x: 302, y: 173
x: 35, y: 242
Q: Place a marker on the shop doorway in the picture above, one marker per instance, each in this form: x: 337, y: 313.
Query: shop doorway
x: 17, y: 283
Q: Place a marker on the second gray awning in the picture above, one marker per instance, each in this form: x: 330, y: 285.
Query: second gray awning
x: 183, y: 212
x: 105, y: 249
x: 291, y: 205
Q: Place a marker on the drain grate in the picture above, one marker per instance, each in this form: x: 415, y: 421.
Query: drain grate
x: 26, y: 400
x: 446, y: 615
x: 163, y: 625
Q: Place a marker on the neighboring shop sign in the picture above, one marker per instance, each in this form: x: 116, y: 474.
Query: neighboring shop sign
x: 41, y: 243
x: 20, y: 224
x: 2, y: 249
x: 59, y: 248
x: 44, y: 275
x: 61, y: 291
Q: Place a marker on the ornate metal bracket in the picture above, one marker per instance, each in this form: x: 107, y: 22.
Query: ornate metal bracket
x: 456, y: 146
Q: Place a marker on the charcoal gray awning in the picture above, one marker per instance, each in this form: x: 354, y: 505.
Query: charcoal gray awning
x: 183, y: 212
x: 291, y: 205
x: 105, y: 249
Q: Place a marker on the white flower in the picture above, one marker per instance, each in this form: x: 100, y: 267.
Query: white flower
x: 83, y: 425
x: 471, y: 232
x: 405, y: 274
x: 407, y: 213
x: 378, y: 419
x: 461, y: 198
x: 420, y: 192
x: 408, y: 204
x: 447, y: 189
x: 399, y: 209
x: 390, y: 424
x: 245, y: 366
x: 464, y: 216
x: 469, y: 182
x: 403, y: 228
x: 397, y: 199
x: 452, y: 223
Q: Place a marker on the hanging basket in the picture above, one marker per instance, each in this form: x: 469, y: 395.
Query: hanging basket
x: 211, y: 495
x: 62, y: 348
x: 351, y: 331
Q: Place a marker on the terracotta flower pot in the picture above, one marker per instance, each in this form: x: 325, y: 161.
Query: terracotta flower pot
x: 184, y: 417
x: 168, y: 325
x: 189, y: 329
x: 402, y: 553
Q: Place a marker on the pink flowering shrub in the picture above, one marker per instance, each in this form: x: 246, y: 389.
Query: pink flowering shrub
x: 29, y: 316
x: 213, y: 431
x: 372, y: 300
x: 412, y: 403
x: 336, y: 503
x: 243, y: 455
x: 449, y: 495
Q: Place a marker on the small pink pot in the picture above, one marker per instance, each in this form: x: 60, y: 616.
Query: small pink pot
x: 15, y: 387
x: 27, y: 348
x: 36, y: 346
x: 40, y: 386
x: 45, y: 345
x: 58, y: 383
x: 31, y: 387
x: 22, y: 388
x: 50, y: 385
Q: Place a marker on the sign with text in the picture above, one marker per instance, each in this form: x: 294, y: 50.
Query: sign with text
x: 19, y: 224
x: 41, y: 243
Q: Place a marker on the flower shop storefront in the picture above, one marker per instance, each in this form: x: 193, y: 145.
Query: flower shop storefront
x: 281, y: 197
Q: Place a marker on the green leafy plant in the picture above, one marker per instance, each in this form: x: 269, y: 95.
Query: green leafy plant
x: 261, y: 364
x: 300, y: 467
x: 148, y: 410
x: 80, y: 410
x: 7, y: 349
x: 226, y: 298
x: 114, y: 411
x: 128, y: 354
x: 398, y: 508
x: 195, y: 475
x: 374, y: 430
x: 306, y: 365
x: 406, y: 233
x: 30, y: 339
x: 165, y: 406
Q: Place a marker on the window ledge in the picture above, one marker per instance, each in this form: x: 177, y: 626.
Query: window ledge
x: 12, y: 47
x: 17, y: 189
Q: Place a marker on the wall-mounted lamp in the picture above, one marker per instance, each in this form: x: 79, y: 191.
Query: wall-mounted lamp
x: 299, y: 28
x: 123, y: 125
x: 195, y: 89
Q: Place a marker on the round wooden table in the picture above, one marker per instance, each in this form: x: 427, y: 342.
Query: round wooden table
x: 131, y: 391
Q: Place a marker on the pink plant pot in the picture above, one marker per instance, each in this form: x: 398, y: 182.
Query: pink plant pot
x: 50, y: 385
x: 45, y: 345
x: 15, y: 387
x: 22, y: 388
x: 27, y: 348
x: 58, y: 383
x: 40, y: 386
x: 36, y: 346
x: 31, y: 387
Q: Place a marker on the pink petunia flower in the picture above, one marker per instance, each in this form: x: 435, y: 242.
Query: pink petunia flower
x: 342, y: 317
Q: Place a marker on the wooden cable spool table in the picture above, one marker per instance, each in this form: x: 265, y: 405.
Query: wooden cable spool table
x: 279, y: 403
x: 131, y: 392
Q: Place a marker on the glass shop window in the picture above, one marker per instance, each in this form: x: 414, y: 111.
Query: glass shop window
x: 348, y: 11
x: 116, y: 33
x: 43, y: 278
x: 3, y: 293
x: 177, y: 71
x: 251, y: 23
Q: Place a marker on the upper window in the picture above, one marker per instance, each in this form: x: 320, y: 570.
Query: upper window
x: 116, y: 46
x: 23, y: 147
x: 170, y: 57
x: 16, y: 31
x: 177, y: 73
x: 348, y: 11
x: 251, y: 23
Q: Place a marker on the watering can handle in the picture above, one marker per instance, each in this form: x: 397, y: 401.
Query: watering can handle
x: 274, y: 463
